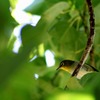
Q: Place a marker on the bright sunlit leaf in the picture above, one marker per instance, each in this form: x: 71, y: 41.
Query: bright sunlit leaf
x: 72, y: 96
x: 36, y: 76
x: 49, y: 58
x: 22, y: 4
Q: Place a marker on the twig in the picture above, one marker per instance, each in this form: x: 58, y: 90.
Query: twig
x: 90, y: 40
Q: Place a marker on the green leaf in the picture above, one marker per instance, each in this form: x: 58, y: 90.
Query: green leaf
x: 73, y: 84
x: 37, y: 7
x: 95, y: 2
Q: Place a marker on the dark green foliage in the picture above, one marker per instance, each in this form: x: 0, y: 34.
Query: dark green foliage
x: 60, y: 30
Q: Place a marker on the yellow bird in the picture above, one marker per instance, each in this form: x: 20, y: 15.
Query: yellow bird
x: 69, y: 66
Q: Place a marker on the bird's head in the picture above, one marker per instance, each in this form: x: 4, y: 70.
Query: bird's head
x: 66, y: 65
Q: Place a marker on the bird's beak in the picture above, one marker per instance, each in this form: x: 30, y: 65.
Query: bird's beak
x: 58, y: 67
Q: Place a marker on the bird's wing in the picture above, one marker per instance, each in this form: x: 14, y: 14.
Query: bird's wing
x: 93, y: 68
x: 87, y: 67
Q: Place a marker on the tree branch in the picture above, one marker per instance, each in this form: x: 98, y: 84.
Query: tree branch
x: 90, y: 40
x: 86, y: 29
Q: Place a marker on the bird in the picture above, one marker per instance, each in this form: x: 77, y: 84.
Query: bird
x: 70, y: 65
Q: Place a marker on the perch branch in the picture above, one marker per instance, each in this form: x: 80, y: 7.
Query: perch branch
x: 86, y: 29
x: 90, y: 39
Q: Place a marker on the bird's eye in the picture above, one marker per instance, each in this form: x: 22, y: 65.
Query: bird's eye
x: 62, y: 64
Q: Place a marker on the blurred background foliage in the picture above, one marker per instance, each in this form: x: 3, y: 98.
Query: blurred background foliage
x: 35, y: 36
